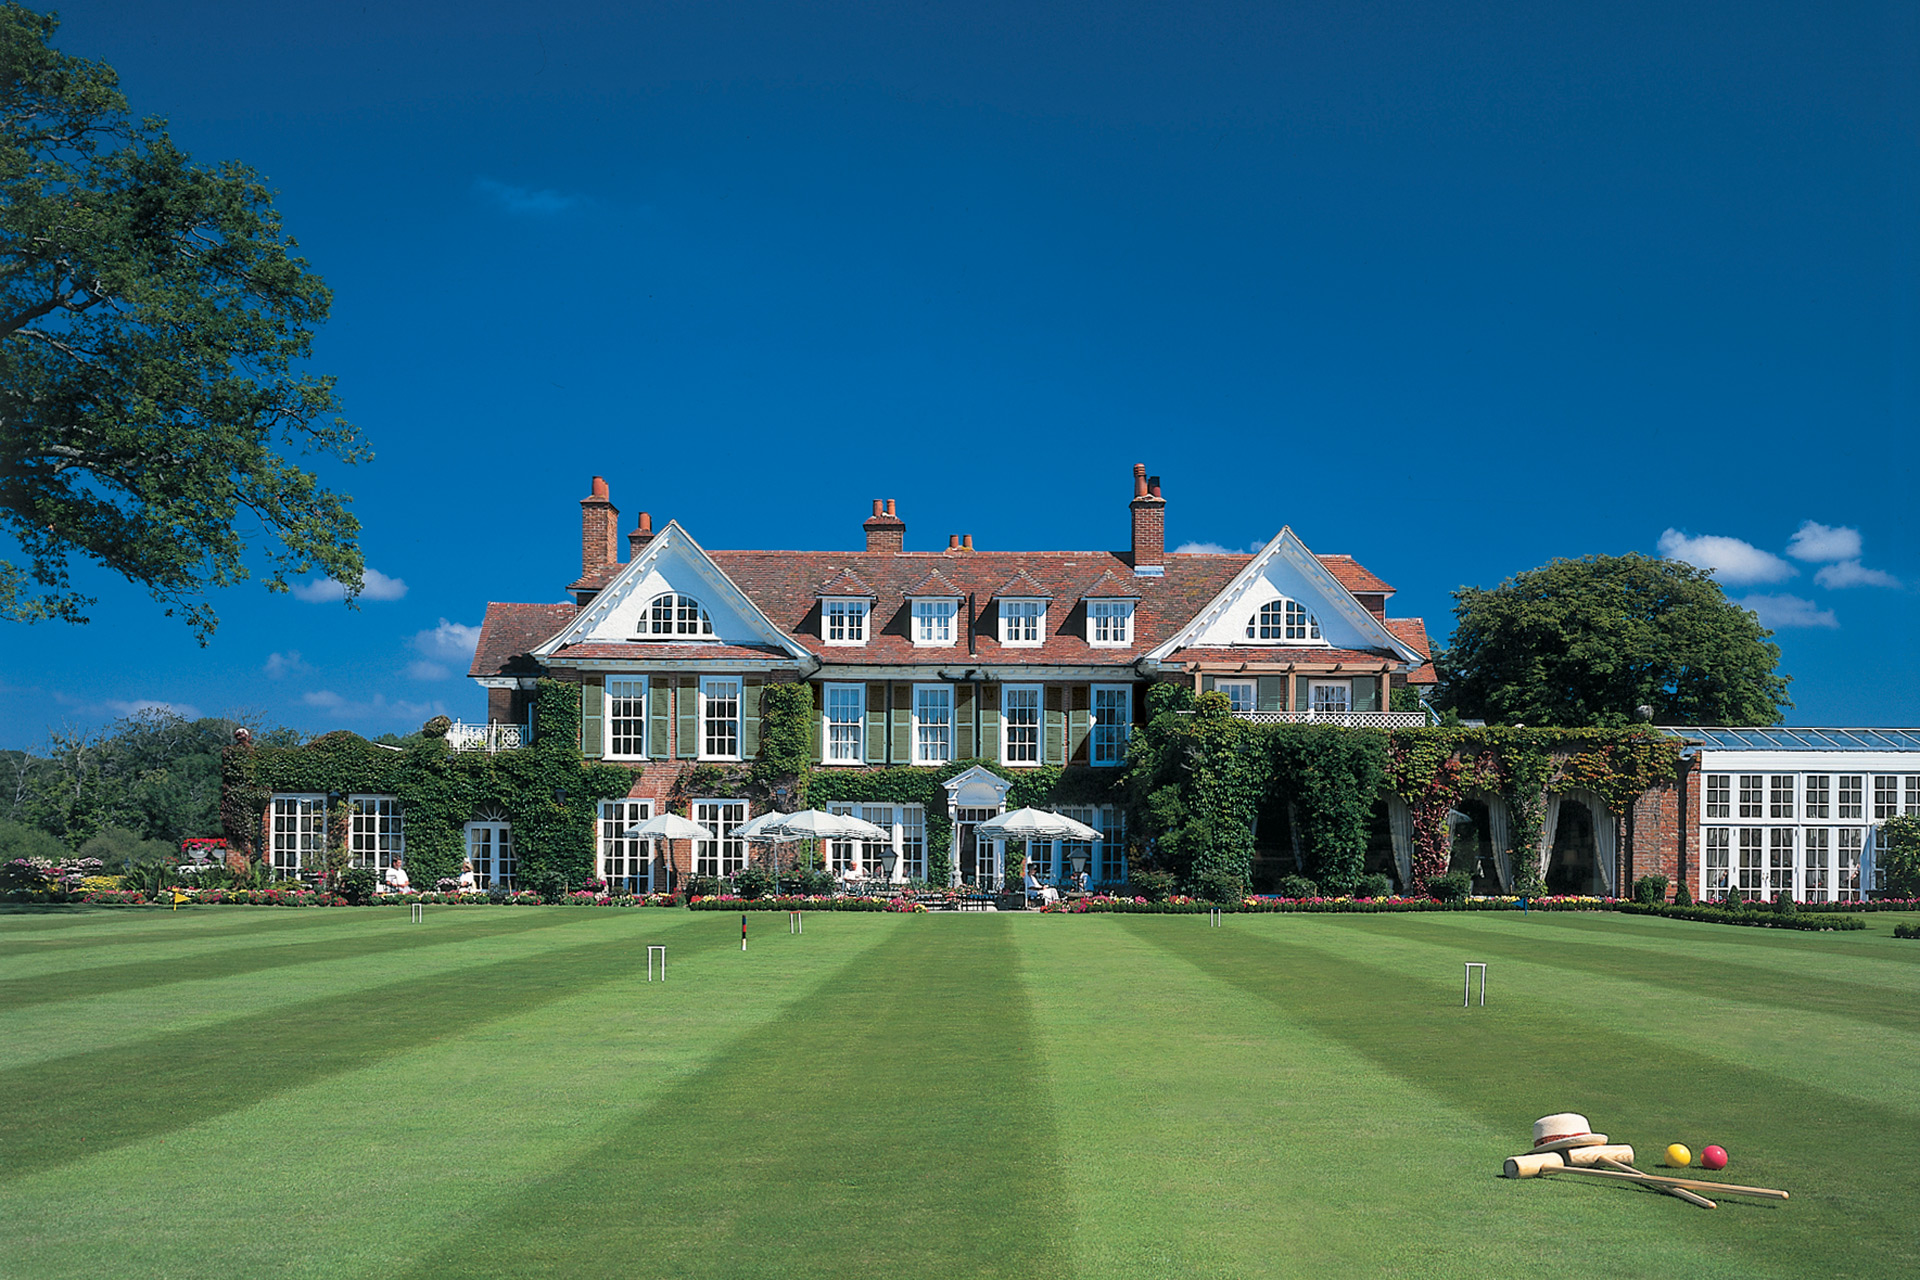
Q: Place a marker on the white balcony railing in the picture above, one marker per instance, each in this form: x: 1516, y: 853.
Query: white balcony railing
x: 1344, y: 719
x: 490, y: 737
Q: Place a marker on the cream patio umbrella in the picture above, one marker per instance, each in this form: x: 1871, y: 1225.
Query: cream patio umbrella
x: 818, y: 824
x: 668, y: 827
x: 1034, y: 824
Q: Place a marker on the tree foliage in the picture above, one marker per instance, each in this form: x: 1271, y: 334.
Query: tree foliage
x: 152, y: 321
x: 1586, y: 642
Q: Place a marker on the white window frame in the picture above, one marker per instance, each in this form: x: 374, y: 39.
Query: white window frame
x: 721, y: 854
x: 1019, y: 615
x: 1314, y: 688
x: 501, y: 866
x: 1305, y: 623
x: 613, y: 847
x: 1716, y: 864
x: 296, y: 832
x: 1817, y: 796
x: 377, y: 834
x: 1849, y: 851
x: 1782, y: 851
x: 1782, y: 800
x: 932, y: 616
x: 1038, y: 694
x: 921, y: 756
x: 1115, y: 617
x: 858, y: 724
x: 737, y: 719
x: 1274, y: 622
x: 678, y: 625
x: 853, y: 613
x: 1105, y: 746
x: 1753, y: 795
x: 1719, y: 798
x: 1241, y: 695
x: 632, y: 690
x: 1816, y: 865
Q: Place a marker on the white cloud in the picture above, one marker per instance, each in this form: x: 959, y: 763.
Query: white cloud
x: 378, y: 707
x: 1733, y: 562
x: 1851, y: 573
x: 1779, y: 612
x: 524, y: 200
x: 289, y: 663
x: 322, y: 698
x: 448, y: 642
x: 375, y: 585
x: 1818, y: 543
x: 185, y: 711
x: 1212, y: 549
x: 424, y: 670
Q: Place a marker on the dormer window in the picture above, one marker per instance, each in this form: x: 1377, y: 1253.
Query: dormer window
x: 1283, y: 620
x: 844, y: 621
x: 1110, y: 623
x: 933, y: 621
x: 1023, y: 623
x: 675, y: 615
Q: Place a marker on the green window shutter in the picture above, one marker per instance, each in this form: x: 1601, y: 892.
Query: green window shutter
x: 592, y: 717
x: 750, y: 688
x: 1079, y: 724
x: 1206, y: 684
x: 990, y: 722
x: 876, y: 724
x: 963, y: 722
x: 1366, y: 694
x: 659, y: 717
x: 1056, y: 749
x: 686, y: 695
x: 816, y: 741
x: 902, y: 746
x: 1273, y: 693
x: 1302, y: 698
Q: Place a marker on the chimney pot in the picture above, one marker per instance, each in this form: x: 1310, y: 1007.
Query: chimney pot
x: 953, y: 542
x: 967, y: 542
x: 599, y: 487
x: 641, y: 535
x: 885, y: 530
x: 889, y: 506
x: 1153, y: 486
x: 1139, y: 479
x: 876, y: 506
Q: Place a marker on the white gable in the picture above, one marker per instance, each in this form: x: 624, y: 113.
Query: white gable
x: 672, y: 563
x: 1285, y: 569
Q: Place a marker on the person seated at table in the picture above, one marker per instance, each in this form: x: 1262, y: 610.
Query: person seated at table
x: 1045, y: 893
x: 467, y: 882
x: 397, y: 877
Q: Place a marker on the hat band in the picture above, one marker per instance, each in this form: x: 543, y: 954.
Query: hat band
x: 1557, y: 1137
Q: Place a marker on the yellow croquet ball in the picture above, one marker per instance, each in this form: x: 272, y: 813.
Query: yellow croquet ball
x: 1678, y: 1156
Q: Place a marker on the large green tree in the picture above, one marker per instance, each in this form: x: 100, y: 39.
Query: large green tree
x: 153, y: 324
x: 1589, y: 641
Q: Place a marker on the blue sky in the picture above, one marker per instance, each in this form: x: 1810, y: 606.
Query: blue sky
x: 1455, y: 289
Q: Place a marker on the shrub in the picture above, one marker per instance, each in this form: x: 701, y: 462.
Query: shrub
x: 1298, y: 887
x: 18, y: 840
x: 1154, y: 886
x: 1375, y: 885
x: 119, y: 846
x: 359, y: 884
x: 1906, y: 931
x: 1783, y: 904
x: 1682, y: 896
x: 1219, y: 886
x: 1451, y: 887
x: 802, y: 883
x: 1650, y: 889
x: 703, y: 886
x: 1900, y: 855
x: 752, y: 882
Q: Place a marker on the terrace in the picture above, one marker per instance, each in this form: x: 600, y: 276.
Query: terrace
x: 490, y: 737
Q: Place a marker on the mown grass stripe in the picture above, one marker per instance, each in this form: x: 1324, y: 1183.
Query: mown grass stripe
x: 1721, y: 978
x: 1612, y: 926
x: 888, y: 1125
x: 33, y: 931
x: 1510, y: 1064
x: 109, y: 1097
x: 232, y: 961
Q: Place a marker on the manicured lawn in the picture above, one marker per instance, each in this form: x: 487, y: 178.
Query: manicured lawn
x: 500, y: 1092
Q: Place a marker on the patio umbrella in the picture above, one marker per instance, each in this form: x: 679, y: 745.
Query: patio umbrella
x: 1034, y: 824
x: 668, y: 826
x: 764, y: 829
x: 817, y: 824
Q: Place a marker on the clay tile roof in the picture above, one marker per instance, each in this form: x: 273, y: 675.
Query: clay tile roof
x: 845, y: 583
x: 1412, y: 632
x: 1111, y: 586
x: 1269, y: 655
x: 510, y: 630
x: 1353, y: 575
x: 935, y: 583
x: 1023, y: 584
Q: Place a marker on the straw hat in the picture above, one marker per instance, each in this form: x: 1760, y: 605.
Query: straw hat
x: 1567, y: 1129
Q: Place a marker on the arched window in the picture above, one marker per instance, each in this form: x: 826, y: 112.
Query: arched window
x: 1283, y: 620
x: 675, y: 615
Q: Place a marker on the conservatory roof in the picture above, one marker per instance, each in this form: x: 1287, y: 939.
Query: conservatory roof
x: 1783, y: 739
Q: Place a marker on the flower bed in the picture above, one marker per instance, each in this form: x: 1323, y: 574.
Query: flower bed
x: 821, y: 902
x: 1182, y: 905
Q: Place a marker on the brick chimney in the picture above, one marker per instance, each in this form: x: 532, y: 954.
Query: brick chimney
x: 640, y: 536
x: 599, y: 530
x: 885, y: 530
x: 1149, y: 521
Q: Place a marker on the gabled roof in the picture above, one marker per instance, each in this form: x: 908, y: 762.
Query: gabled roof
x: 673, y: 546
x: 1022, y: 585
x: 1335, y: 598
x: 843, y: 585
x: 1111, y: 586
x: 1354, y: 576
x: 1414, y: 632
x: 511, y: 631
x: 933, y: 586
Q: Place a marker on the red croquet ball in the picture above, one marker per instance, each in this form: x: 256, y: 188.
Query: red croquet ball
x: 1713, y: 1158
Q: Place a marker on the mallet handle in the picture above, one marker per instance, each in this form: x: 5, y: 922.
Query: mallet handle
x: 1681, y: 1192
x: 1663, y: 1181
